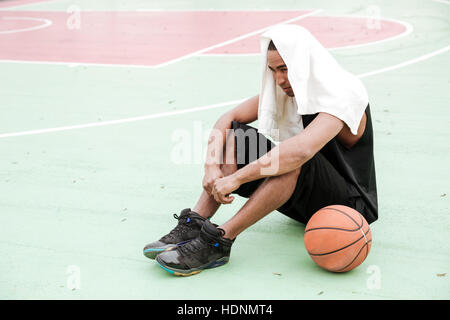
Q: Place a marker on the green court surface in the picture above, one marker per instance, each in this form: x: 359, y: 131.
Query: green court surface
x: 78, y: 203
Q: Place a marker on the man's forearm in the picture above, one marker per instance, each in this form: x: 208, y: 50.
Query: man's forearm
x: 217, y: 140
x: 292, y: 153
x: 285, y: 157
x: 245, y: 112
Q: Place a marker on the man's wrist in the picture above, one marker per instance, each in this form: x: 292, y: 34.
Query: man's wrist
x: 237, y: 177
x: 212, y: 164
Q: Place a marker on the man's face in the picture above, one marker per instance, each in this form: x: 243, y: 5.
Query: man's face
x: 280, y: 71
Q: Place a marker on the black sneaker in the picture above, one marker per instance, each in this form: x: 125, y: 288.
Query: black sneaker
x: 188, y: 228
x: 208, y: 250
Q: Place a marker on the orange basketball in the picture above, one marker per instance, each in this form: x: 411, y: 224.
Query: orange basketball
x: 338, y: 238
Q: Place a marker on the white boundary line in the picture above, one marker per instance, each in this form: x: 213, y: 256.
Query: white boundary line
x: 119, y: 121
x: 201, y: 53
x: 442, y: 1
x: 26, y: 4
x: 166, y: 114
x: 244, y: 36
x: 195, y: 53
x: 408, y: 29
x: 213, y: 106
x: 406, y: 63
x: 225, y: 10
x: 46, y: 24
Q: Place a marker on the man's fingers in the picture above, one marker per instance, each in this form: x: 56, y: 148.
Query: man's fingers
x: 214, y: 194
x: 224, y: 199
x: 208, y: 186
x: 227, y: 199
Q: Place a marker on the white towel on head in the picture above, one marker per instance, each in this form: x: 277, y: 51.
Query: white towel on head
x: 319, y: 83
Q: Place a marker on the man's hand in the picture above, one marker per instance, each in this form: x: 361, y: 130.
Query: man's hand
x: 212, y: 173
x: 223, y: 187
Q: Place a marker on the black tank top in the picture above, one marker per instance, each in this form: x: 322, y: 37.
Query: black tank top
x: 356, y: 165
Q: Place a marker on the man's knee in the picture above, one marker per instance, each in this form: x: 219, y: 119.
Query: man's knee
x: 228, y: 169
x: 291, y: 175
x: 296, y: 172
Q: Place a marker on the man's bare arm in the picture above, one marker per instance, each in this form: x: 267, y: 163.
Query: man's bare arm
x: 293, y: 152
x: 245, y: 112
x: 347, y: 138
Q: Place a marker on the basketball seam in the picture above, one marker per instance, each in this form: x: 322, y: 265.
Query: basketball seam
x: 366, y: 245
x: 333, y: 228
x: 349, y: 245
x: 362, y: 221
x: 359, y: 226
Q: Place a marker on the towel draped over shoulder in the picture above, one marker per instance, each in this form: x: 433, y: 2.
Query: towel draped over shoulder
x: 319, y: 83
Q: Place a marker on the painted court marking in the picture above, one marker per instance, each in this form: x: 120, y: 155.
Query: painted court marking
x: 406, y: 63
x: 244, y: 36
x: 208, y: 107
x: 408, y: 30
x: 442, y: 1
x: 119, y: 121
x: 110, y: 55
x: 190, y: 42
x: 46, y: 23
x: 9, y: 5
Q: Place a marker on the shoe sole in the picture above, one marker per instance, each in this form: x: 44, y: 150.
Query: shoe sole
x: 191, y: 272
x: 152, y: 253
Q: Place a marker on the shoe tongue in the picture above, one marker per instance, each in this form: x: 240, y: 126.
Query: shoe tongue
x: 185, y: 212
x: 211, y: 230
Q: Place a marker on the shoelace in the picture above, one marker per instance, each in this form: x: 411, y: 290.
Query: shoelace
x: 192, y: 246
x: 180, y: 228
x: 199, y: 243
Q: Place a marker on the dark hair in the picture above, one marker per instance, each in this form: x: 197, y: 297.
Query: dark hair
x: 272, y: 46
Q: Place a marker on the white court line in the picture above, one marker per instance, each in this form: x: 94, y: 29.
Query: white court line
x: 244, y: 36
x: 126, y: 120
x: 225, y: 10
x: 408, y: 29
x: 442, y: 1
x: 196, y: 53
x: 406, y: 63
x: 46, y: 24
x: 173, y: 113
x: 27, y: 4
x: 165, y: 114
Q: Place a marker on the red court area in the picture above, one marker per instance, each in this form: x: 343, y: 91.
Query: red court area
x: 157, y: 38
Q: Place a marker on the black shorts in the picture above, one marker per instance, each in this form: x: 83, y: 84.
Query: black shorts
x: 318, y: 184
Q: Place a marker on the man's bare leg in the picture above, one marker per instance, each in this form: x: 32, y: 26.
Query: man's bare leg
x: 207, y: 206
x: 269, y: 196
